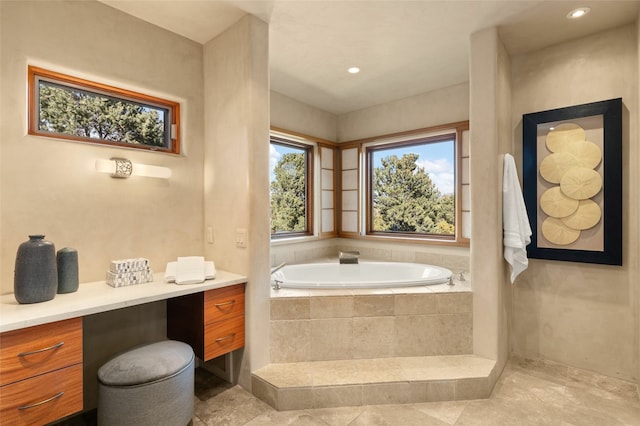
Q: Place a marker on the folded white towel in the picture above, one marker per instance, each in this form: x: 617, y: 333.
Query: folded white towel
x: 190, y: 270
x: 515, y: 222
x: 170, y: 272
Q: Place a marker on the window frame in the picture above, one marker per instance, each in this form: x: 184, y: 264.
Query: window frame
x: 309, y: 149
x: 36, y: 74
x: 462, y: 226
x: 368, y: 152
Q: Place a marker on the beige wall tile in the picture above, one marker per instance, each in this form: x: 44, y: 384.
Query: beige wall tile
x: 337, y: 396
x: 373, y: 337
x: 386, y: 393
x: 415, y: 304
x: 295, y: 399
x: 332, y: 307
x: 454, y: 334
x: 331, y: 339
x: 264, y: 391
x: 472, y: 388
x: 453, y: 303
x: 290, y: 341
x: 290, y: 308
x: 414, y: 335
x: 377, y: 305
x: 441, y: 390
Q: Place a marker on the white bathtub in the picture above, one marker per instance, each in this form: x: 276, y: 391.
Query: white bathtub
x: 362, y: 275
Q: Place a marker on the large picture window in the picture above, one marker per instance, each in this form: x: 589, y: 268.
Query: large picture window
x: 66, y: 107
x: 411, y: 187
x: 291, y: 180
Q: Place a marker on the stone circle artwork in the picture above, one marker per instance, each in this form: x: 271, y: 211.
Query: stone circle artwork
x: 571, y: 168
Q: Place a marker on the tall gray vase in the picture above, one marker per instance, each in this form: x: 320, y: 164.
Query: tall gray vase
x: 36, y: 273
x: 67, y: 270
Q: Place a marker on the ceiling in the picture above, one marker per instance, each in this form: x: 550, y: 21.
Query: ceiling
x: 403, y: 48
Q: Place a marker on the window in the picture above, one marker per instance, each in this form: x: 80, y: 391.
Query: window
x: 65, y: 107
x: 410, y: 185
x: 291, y: 192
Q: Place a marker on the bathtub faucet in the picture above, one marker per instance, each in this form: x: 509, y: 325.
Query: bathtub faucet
x: 348, y: 257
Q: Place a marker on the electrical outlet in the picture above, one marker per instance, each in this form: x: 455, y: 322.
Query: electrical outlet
x: 210, y: 235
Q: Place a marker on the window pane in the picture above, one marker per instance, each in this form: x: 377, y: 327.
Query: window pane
x: 288, y: 189
x: 413, y: 188
x: 80, y: 113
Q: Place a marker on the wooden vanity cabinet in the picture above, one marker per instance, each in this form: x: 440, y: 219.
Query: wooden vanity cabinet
x: 41, y: 373
x: 211, y: 322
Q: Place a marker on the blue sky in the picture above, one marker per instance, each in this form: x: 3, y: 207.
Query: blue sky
x: 436, y: 158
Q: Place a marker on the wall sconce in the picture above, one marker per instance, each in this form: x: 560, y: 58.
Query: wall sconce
x: 123, y: 168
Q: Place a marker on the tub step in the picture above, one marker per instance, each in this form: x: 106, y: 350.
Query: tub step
x: 399, y: 380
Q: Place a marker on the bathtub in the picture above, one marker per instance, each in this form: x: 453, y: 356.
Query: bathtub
x: 362, y: 275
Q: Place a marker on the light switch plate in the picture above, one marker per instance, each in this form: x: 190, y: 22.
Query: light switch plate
x: 241, y: 237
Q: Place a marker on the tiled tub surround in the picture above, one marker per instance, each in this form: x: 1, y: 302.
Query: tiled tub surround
x: 333, y: 348
x: 323, y: 325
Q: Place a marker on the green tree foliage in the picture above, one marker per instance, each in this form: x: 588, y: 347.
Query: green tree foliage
x: 84, y: 114
x: 405, y: 199
x: 288, y: 194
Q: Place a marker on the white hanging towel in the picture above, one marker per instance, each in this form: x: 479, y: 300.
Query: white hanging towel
x: 515, y: 222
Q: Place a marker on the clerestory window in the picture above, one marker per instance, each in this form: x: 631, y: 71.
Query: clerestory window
x: 66, y: 107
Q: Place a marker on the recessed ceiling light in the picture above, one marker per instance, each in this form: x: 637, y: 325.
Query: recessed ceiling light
x: 578, y: 13
x: 354, y: 70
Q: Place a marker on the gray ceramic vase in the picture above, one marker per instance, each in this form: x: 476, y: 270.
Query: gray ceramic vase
x: 67, y: 259
x: 36, y: 273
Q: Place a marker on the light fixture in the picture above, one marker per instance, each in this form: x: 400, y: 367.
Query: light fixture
x: 353, y: 70
x: 578, y: 13
x: 123, y: 168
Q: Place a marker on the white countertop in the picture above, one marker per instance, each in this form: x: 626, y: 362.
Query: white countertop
x: 95, y: 297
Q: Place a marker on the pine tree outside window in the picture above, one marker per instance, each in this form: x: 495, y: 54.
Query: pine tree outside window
x: 412, y: 188
x: 65, y: 107
x: 291, y: 188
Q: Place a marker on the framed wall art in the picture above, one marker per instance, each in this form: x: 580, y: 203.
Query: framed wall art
x: 572, y: 182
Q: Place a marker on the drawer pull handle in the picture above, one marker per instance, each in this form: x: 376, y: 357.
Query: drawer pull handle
x: 231, y: 336
x: 54, y: 397
x: 50, y: 348
x: 230, y: 302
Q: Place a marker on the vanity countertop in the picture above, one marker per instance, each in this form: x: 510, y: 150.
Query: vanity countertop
x: 96, y: 297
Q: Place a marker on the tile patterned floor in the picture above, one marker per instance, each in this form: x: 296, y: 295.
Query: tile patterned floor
x: 528, y: 393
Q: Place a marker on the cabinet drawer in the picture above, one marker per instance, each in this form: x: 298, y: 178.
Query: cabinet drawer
x: 223, y: 336
x: 42, y: 399
x: 35, y: 350
x: 223, y: 303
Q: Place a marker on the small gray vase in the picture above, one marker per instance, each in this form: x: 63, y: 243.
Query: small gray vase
x: 36, y: 274
x: 67, y: 259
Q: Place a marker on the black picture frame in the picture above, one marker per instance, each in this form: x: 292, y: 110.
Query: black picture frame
x: 606, y: 236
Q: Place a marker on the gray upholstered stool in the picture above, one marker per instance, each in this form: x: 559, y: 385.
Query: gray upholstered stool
x: 149, y: 385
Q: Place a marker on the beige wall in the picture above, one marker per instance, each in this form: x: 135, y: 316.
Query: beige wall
x: 441, y: 106
x: 580, y: 314
x: 50, y: 186
x: 236, y: 192
x: 489, y: 99
x: 287, y: 113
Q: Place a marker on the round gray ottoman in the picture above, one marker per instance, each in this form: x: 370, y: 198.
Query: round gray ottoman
x: 148, y: 385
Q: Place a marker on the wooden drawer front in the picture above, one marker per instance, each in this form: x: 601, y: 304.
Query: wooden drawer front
x: 223, y: 336
x: 43, y: 398
x: 35, y: 350
x: 223, y: 303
